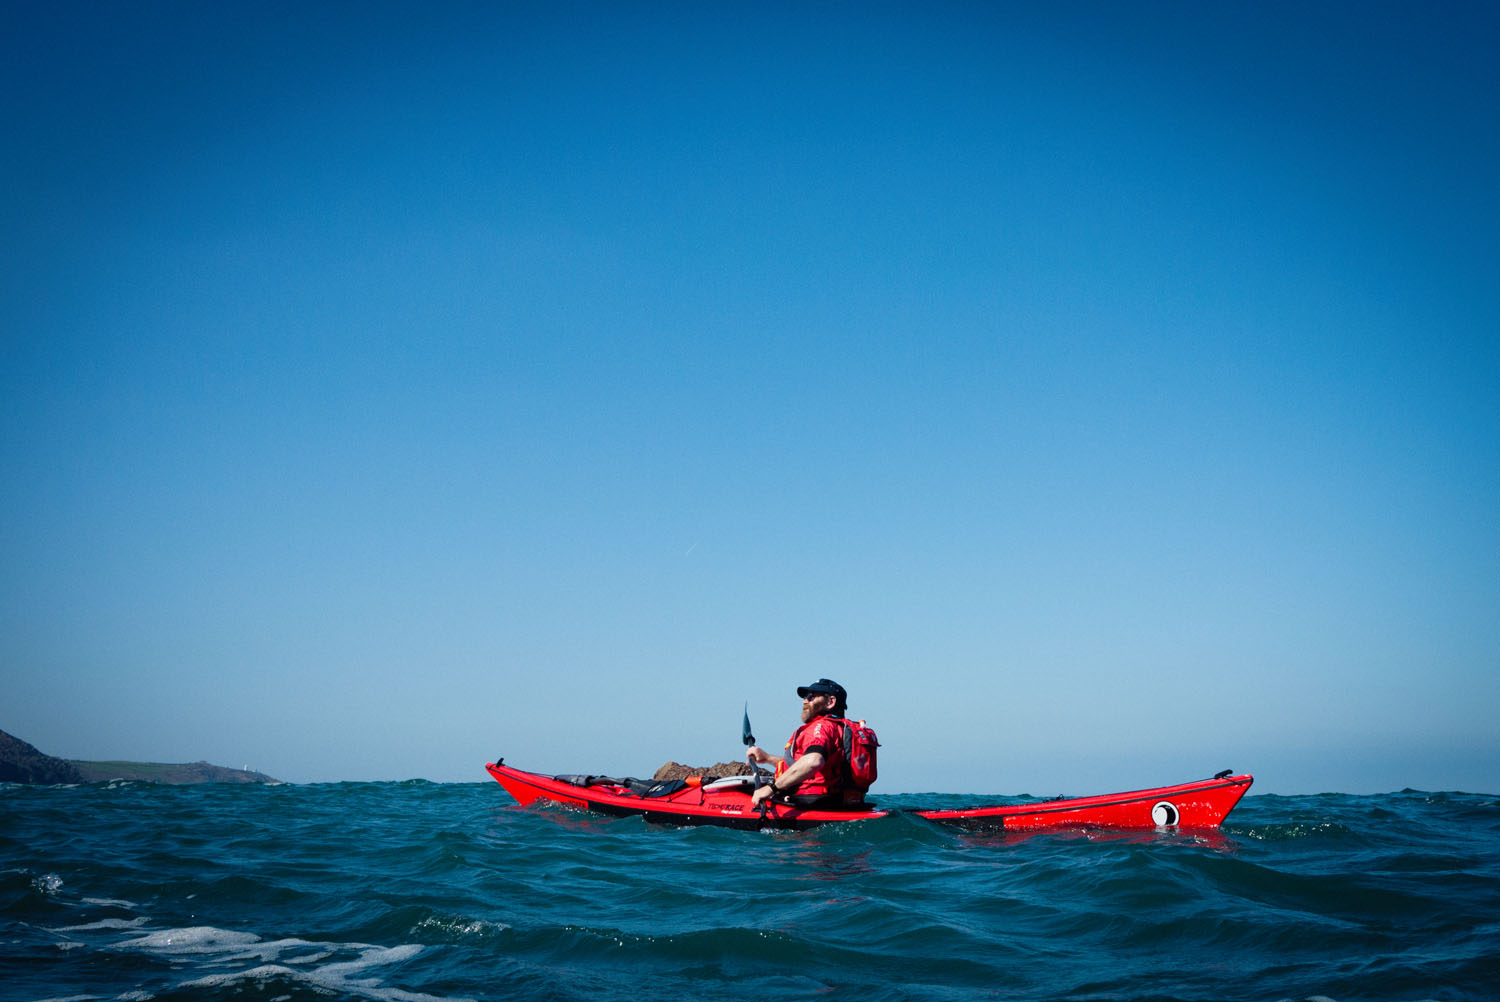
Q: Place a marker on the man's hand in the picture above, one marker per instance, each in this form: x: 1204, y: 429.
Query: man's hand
x: 757, y: 755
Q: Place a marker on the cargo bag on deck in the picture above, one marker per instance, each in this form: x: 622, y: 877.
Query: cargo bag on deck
x: 639, y: 787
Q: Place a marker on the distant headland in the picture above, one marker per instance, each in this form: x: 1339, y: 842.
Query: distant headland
x: 22, y: 763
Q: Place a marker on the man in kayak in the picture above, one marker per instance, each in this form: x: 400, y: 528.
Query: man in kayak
x: 811, y: 772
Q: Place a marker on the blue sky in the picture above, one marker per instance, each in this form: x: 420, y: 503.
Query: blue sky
x: 1105, y: 395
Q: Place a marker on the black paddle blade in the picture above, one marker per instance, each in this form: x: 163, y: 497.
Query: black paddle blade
x: 749, y: 738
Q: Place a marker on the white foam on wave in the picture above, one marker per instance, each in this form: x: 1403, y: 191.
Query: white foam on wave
x: 454, y: 926
x: 375, y: 956
x: 196, y: 939
x: 279, y: 959
x: 134, y: 923
x: 335, y: 978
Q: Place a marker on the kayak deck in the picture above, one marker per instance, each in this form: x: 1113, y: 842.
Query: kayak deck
x: 1202, y: 804
x: 726, y: 803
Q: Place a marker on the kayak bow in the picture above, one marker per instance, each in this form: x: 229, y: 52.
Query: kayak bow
x: 1188, y: 805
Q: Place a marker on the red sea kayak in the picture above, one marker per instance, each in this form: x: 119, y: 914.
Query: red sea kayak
x: 726, y: 803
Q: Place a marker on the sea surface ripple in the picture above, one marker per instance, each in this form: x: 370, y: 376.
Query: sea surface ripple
x: 421, y: 891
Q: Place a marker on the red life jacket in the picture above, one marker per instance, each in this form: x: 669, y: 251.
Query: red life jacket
x: 848, y: 756
x: 820, y: 731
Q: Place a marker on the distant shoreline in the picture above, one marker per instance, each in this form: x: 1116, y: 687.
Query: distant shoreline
x: 167, y: 772
x: 23, y: 763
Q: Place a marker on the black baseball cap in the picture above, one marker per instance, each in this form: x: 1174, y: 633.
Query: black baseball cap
x: 827, y: 686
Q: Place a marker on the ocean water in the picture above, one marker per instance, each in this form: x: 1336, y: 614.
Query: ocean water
x: 418, y: 891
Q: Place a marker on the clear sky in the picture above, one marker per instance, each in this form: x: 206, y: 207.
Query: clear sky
x: 1106, y: 394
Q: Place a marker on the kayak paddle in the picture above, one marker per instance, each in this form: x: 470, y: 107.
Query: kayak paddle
x: 760, y: 777
x: 750, y: 740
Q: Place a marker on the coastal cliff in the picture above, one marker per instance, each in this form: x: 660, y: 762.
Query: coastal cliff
x: 23, y: 763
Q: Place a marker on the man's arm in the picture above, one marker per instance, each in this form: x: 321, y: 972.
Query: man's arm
x: 800, y: 770
x: 789, y: 780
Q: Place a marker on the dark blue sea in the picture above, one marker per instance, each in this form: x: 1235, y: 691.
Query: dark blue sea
x: 418, y: 891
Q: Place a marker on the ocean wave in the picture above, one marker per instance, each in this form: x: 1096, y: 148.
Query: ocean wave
x: 341, y: 968
x: 407, y: 892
